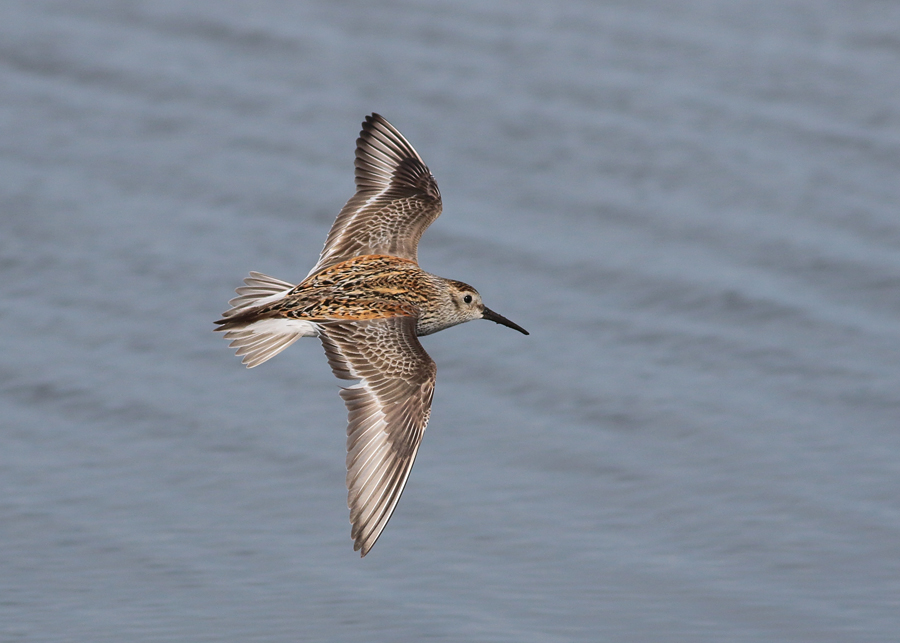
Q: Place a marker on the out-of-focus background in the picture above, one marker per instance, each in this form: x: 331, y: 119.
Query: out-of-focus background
x: 694, y: 207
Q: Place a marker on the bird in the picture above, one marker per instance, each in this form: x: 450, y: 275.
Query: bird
x: 368, y: 301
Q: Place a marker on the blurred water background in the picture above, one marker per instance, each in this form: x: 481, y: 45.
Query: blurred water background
x: 694, y: 207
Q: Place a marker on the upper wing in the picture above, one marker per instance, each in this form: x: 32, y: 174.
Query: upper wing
x: 388, y: 411
x: 396, y: 199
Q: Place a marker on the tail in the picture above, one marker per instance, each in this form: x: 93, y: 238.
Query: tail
x: 256, y: 336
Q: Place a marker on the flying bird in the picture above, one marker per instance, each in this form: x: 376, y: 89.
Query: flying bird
x: 368, y: 301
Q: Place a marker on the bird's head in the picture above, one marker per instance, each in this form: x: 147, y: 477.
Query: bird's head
x: 469, y: 306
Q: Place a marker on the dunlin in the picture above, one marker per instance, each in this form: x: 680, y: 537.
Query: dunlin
x: 369, y: 302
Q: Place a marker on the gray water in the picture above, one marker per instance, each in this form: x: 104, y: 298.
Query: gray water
x: 694, y: 207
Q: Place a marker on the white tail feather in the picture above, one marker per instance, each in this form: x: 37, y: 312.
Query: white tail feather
x: 260, y: 340
x: 260, y: 289
x: 263, y: 339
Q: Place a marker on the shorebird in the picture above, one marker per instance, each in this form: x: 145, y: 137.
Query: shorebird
x: 368, y: 300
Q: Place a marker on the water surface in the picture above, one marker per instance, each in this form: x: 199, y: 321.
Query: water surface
x: 693, y: 207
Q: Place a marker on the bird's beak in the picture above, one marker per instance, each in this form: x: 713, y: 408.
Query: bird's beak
x: 489, y: 314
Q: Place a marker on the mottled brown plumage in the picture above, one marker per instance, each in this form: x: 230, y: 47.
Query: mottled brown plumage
x: 369, y: 287
x: 368, y: 301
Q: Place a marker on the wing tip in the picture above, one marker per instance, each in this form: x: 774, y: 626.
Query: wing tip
x: 379, y: 137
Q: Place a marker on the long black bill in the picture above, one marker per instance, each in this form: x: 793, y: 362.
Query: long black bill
x: 489, y: 314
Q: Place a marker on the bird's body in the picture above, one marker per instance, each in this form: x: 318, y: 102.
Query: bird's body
x: 369, y: 287
x: 368, y: 300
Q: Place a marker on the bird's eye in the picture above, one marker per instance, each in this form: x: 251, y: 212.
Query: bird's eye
x: 468, y: 299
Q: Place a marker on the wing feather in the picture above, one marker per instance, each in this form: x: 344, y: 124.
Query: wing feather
x: 396, y: 199
x: 388, y: 411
